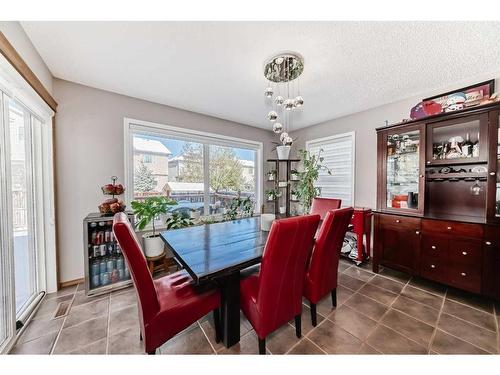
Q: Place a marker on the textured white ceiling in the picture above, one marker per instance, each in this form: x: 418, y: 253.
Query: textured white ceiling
x: 216, y: 68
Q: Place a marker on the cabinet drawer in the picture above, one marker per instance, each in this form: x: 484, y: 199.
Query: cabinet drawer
x: 467, y: 277
x: 433, y: 268
x: 466, y: 253
x: 453, y: 228
x: 403, y: 222
x: 492, y: 235
x: 435, y: 246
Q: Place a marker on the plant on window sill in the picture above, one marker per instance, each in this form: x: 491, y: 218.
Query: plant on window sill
x: 305, y: 187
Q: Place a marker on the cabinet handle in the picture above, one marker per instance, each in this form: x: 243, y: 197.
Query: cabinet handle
x: 417, y: 232
x: 398, y: 221
x: 463, y: 274
x: 492, y: 173
x: 488, y: 243
x: 428, y: 162
x: 433, y: 266
x: 449, y: 228
x: 433, y: 247
x: 464, y: 252
x: 421, y: 176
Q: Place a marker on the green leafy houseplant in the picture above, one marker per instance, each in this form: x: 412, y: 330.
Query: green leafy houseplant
x: 147, y: 210
x: 177, y: 221
x: 271, y: 194
x: 305, y: 186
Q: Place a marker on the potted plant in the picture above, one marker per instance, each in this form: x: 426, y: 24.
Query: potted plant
x: 294, y: 175
x: 271, y: 194
x: 194, y: 214
x: 294, y: 195
x: 271, y: 175
x: 146, y: 212
x: 247, y: 207
x: 305, y: 186
x: 177, y: 221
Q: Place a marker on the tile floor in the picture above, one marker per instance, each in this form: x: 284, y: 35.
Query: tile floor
x: 389, y: 313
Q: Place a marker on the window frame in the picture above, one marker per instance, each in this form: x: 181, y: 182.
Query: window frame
x: 327, y: 139
x: 134, y: 126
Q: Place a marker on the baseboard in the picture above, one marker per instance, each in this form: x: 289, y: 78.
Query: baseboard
x: 70, y: 283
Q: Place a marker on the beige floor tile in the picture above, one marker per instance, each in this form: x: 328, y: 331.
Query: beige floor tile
x: 333, y: 339
x: 472, y: 315
x: 378, y: 294
x: 367, y: 349
x: 41, y: 345
x: 396, y: 275
x: 417, y: 310
x: 470, y: 299
x: 81, y: 298
x: 70, y: 290
x: 48, y: 307
x: 350, y: 282
x: 424, y: 297
x: 40, y: 327
x: 353, y: 322
x: 306, y: 346
x: 473, y: 334
x: 444, y: 343
x: 87, y: 311
x: 359, y: 274
x: 388, y: 341
x: 366, y: 306
x: 306, y: 320
x: 192, y: 341
x: 281, y: 340
x: 80, y: 335
x: 122, y: 299
x: 428, y: 286
x: 325, y: 307
x: 98, y: 347
x: 126, y: 342
x: 408, y: 326
x: 388, y: 284
x: 248, y: 344
x: 120, y: 320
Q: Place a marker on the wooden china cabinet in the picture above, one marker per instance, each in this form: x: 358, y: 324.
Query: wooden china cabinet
x: 438, y: 199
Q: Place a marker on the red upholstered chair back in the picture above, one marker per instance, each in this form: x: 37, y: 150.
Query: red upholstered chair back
x: 321, y: 277
x: 321, y: 206
x: 143, y: 282
x: 282, y: 270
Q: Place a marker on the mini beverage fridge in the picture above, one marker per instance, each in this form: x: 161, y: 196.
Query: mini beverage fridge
x: 105, y: 266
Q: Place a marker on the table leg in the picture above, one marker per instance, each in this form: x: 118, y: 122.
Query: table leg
x: 230, y: 303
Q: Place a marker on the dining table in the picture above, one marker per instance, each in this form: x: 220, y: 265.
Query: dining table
x: 215, y: 254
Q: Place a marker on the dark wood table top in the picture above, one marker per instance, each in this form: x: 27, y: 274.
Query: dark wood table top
x: 214, y: 250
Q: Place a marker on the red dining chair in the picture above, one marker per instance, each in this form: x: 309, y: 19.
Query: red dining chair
x: 273, y: 297
x: 166, y: 305
x: 321, y: 206
x: 321, y: 275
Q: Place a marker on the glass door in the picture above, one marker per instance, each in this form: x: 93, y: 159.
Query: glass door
x: 403, y: 168
x: 22, y: 205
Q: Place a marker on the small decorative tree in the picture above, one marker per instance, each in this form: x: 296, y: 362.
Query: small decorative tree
x: 144, y: 180
x: 305, y: 187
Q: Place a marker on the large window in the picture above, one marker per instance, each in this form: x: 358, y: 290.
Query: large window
x: 201, y: 171
x: 338, y: 153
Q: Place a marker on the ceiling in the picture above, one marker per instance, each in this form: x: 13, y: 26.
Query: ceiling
x: 216, y: 68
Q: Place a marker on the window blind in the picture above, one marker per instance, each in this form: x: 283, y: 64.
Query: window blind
x: 338, y: 154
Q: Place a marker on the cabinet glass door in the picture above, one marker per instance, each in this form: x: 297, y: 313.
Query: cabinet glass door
x: 403, y: 170
x: 497, y: 200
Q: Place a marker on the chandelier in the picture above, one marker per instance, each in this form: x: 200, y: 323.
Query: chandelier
x: 282, y: 93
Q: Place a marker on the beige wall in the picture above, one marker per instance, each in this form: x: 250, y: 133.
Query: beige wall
x: 364, y: 124
x: 89, y: 150
x: 15, y: 34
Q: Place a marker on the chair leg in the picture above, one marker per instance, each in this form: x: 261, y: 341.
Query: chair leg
x: 314, y: 321
x: 140, y: 336
x: 152, y: 352
x: 262, y: 346
x: 334, y: 297
x: 298, y: 325
x: 218, y: 327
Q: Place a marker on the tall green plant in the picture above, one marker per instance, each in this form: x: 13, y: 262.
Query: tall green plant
x: 305, y: 186
x: 147, y: 210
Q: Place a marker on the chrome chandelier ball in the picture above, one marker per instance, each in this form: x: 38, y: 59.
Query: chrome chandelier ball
x: 272, y: 116
x: 288, y: 104
x: 277, y: 128
x: 279, y: 100
x: 269, y: 92
x: 298, y: 102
